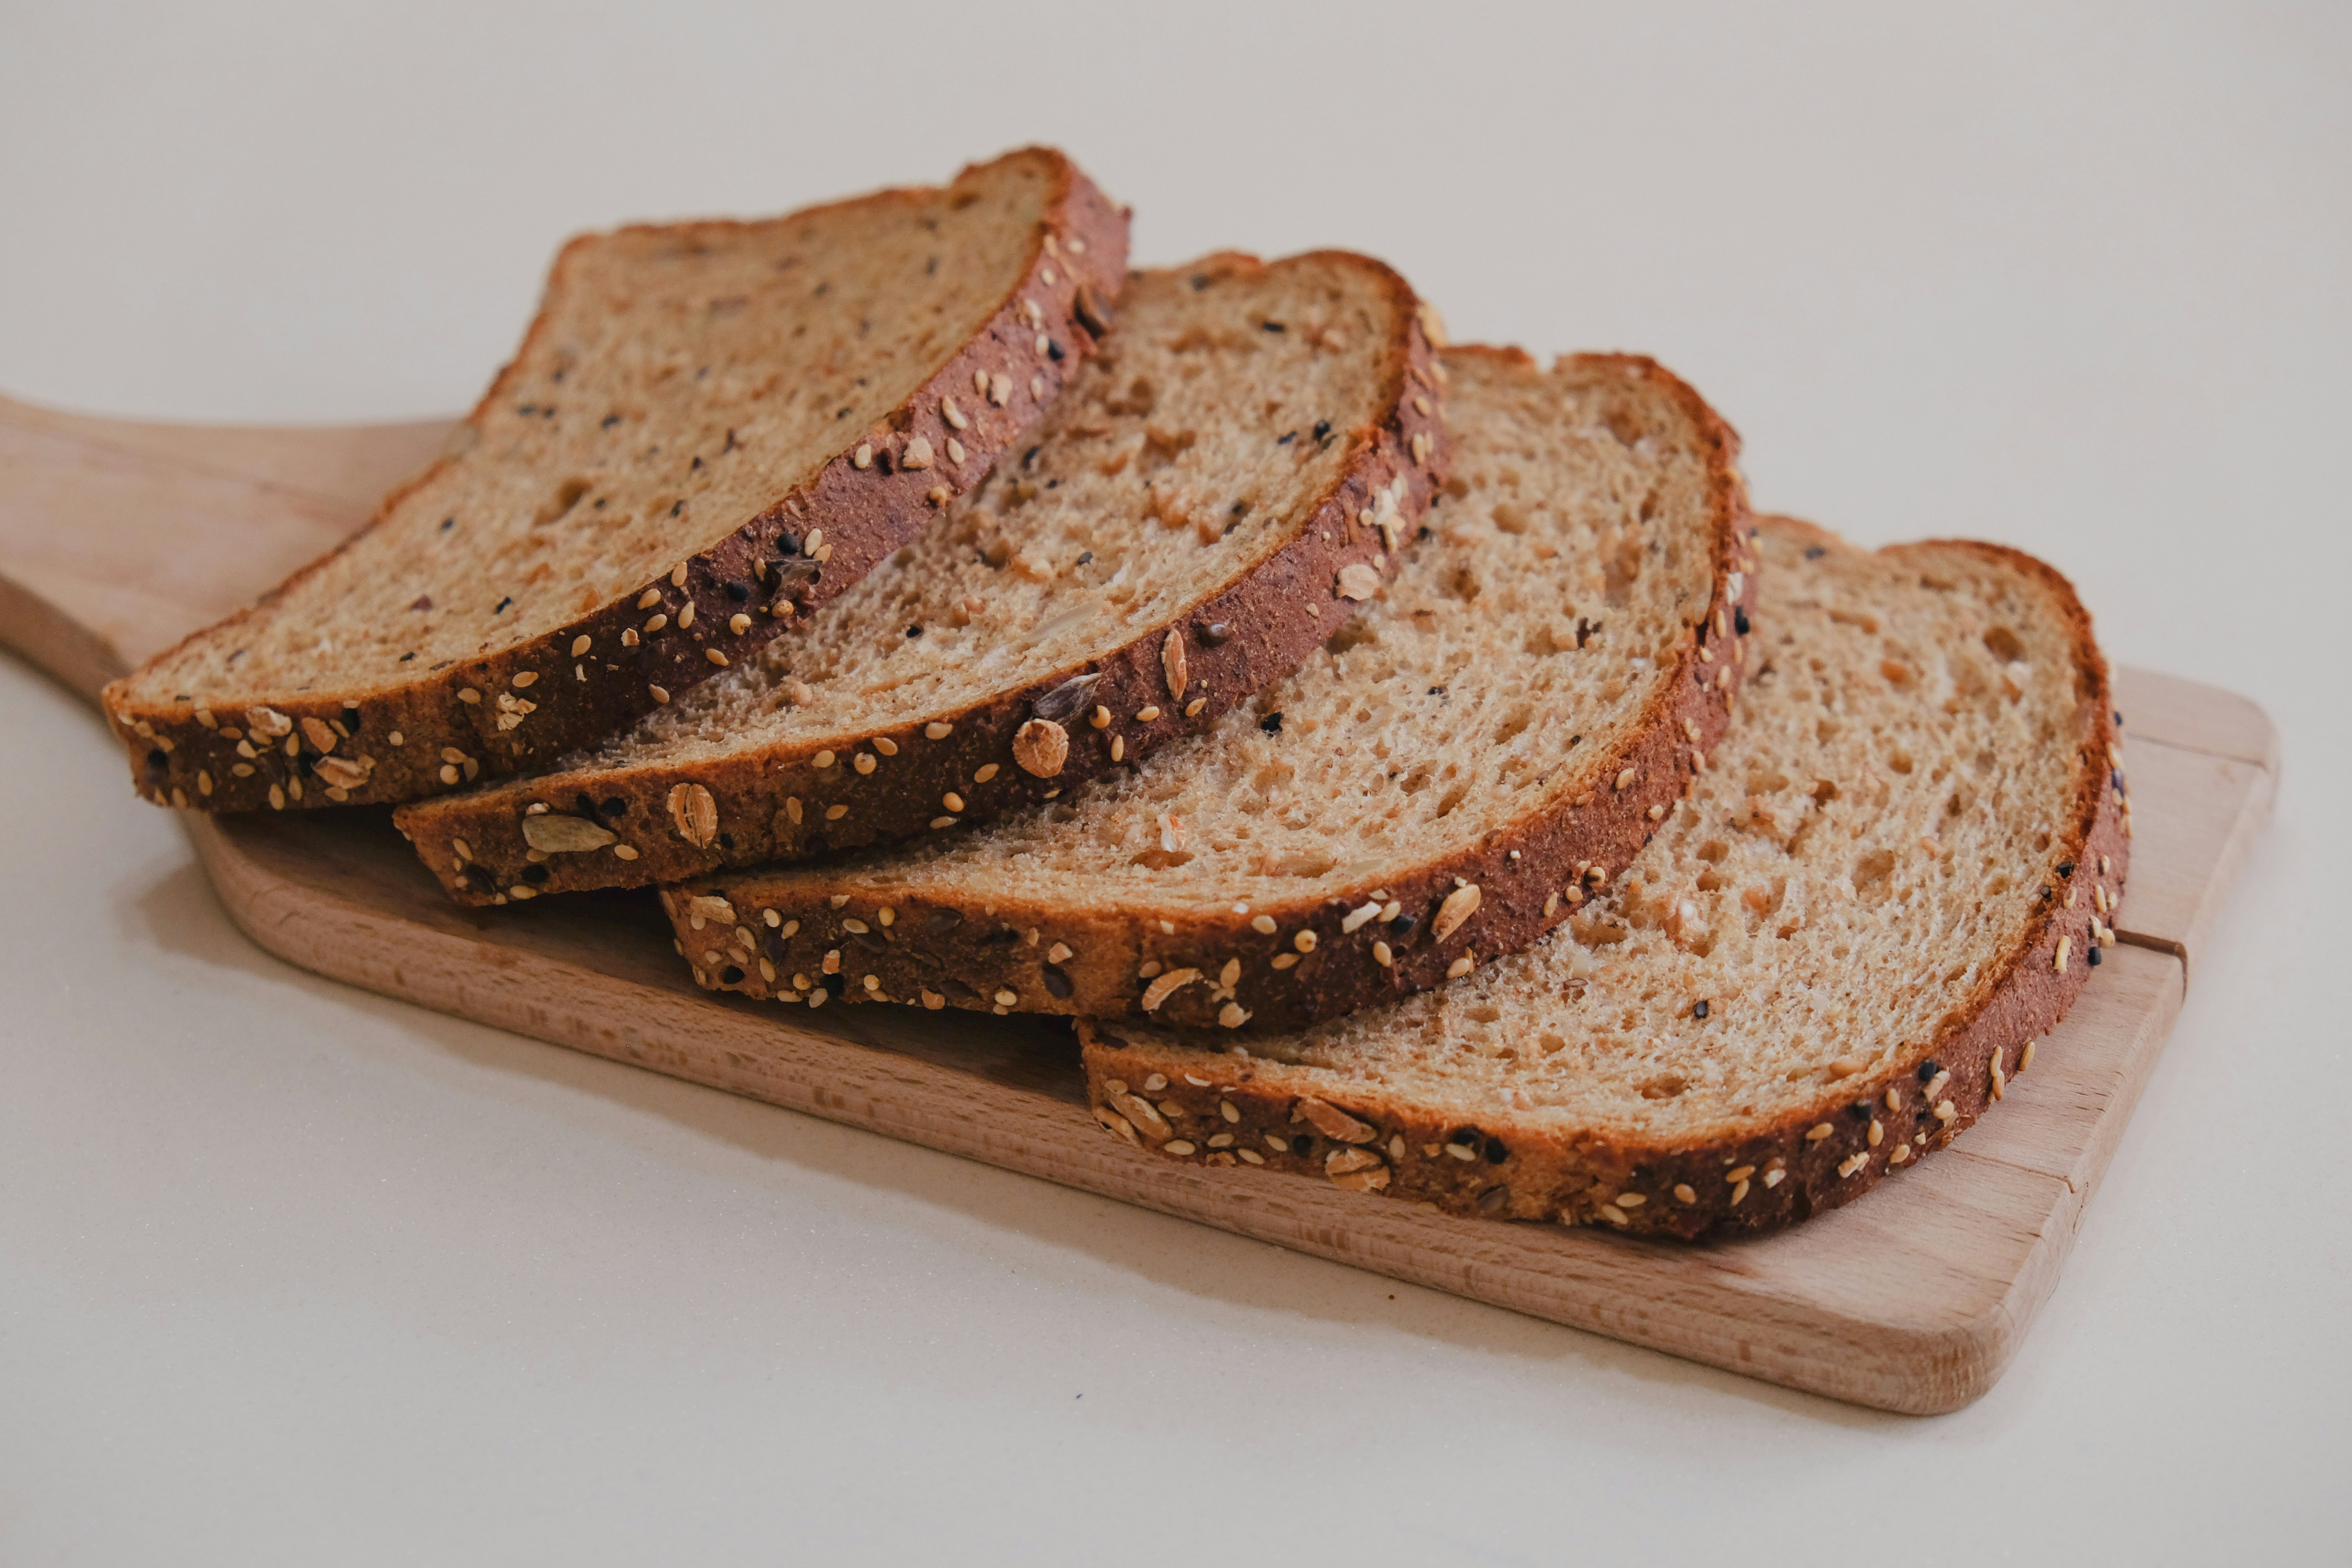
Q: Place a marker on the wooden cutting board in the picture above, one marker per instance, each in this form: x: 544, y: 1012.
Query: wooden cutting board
x: 117, y: 539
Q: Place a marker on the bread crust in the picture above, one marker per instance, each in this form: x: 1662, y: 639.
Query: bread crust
x: 448, y: 738
x: 776, y: 802
x: 1517, y: 1169
x: 1532, y: 873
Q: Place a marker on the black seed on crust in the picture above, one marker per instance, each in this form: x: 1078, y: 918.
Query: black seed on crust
x: 1929, y: 1068
x: 1698, y: 1009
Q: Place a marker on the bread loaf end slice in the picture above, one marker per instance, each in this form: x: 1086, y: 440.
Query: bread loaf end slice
x: 692, y: 401
x: 1893, y: 880
x: 1492, y: 737
x: 1236, y: 470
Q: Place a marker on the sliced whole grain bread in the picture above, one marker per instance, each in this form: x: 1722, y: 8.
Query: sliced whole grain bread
x: 1894, y: 875
x: 692, y: 398
x: 1502, y: 728
x: 1232, y: 474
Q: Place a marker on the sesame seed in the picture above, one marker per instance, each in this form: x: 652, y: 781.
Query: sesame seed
x: 1877, y: 1131
x: 1774, y: 1177
x: 864, y: 456
x: 1231, y: 973
x: 1461, y: 966
x: 654, y: 624
x: 939, y: 822
x: 1118, y: 748
x: 2025, y: 1058
x: 1739, y: 1190
x: 1262, y: 925
x: 863, y: 761
x: 649, y: 598
x: 822, y: 759
x: 686, y: 615
x: 835, y: 813
x: 984, y: 773
x: 1946, y: 1112
x: 467, y: 694
x: 739, y: 623
x: 715, y: 657
x: 579, y: 645
x: 1100, y: 719
x: 1625, y: 779
x: 1285, y: 960
x: 1304, y: 941
x: 2065, y: 944
x: 1818, y: 1132
x: 661, y: 694
x: 1146, y: 715
x: 953, y: 801
x: 1382, y: 956
x: 955, y: 452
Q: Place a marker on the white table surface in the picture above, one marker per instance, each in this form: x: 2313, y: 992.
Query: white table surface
x: 293, y: 1274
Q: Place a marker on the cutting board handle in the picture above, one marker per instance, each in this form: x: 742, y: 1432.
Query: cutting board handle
x: 118, y: 538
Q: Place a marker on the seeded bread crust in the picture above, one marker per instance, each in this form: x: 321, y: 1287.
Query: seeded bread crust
x: 442, y: 729
x: 1233, y: 1108
x: 989, y: 951
x: 776, y: 801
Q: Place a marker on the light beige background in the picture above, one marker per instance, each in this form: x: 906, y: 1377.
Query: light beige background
x: 289, y: 1273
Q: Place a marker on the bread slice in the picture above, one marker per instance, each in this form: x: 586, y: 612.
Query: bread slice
x: 1893, y: 876
x: 1206, y: 505
x: 692, y: 400
x: 1500, y: 729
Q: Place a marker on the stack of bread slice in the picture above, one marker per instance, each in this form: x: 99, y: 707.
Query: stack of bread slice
x: 1414, y: 767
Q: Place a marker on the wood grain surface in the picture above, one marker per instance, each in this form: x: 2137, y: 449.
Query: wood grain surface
x: 116, y: 540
